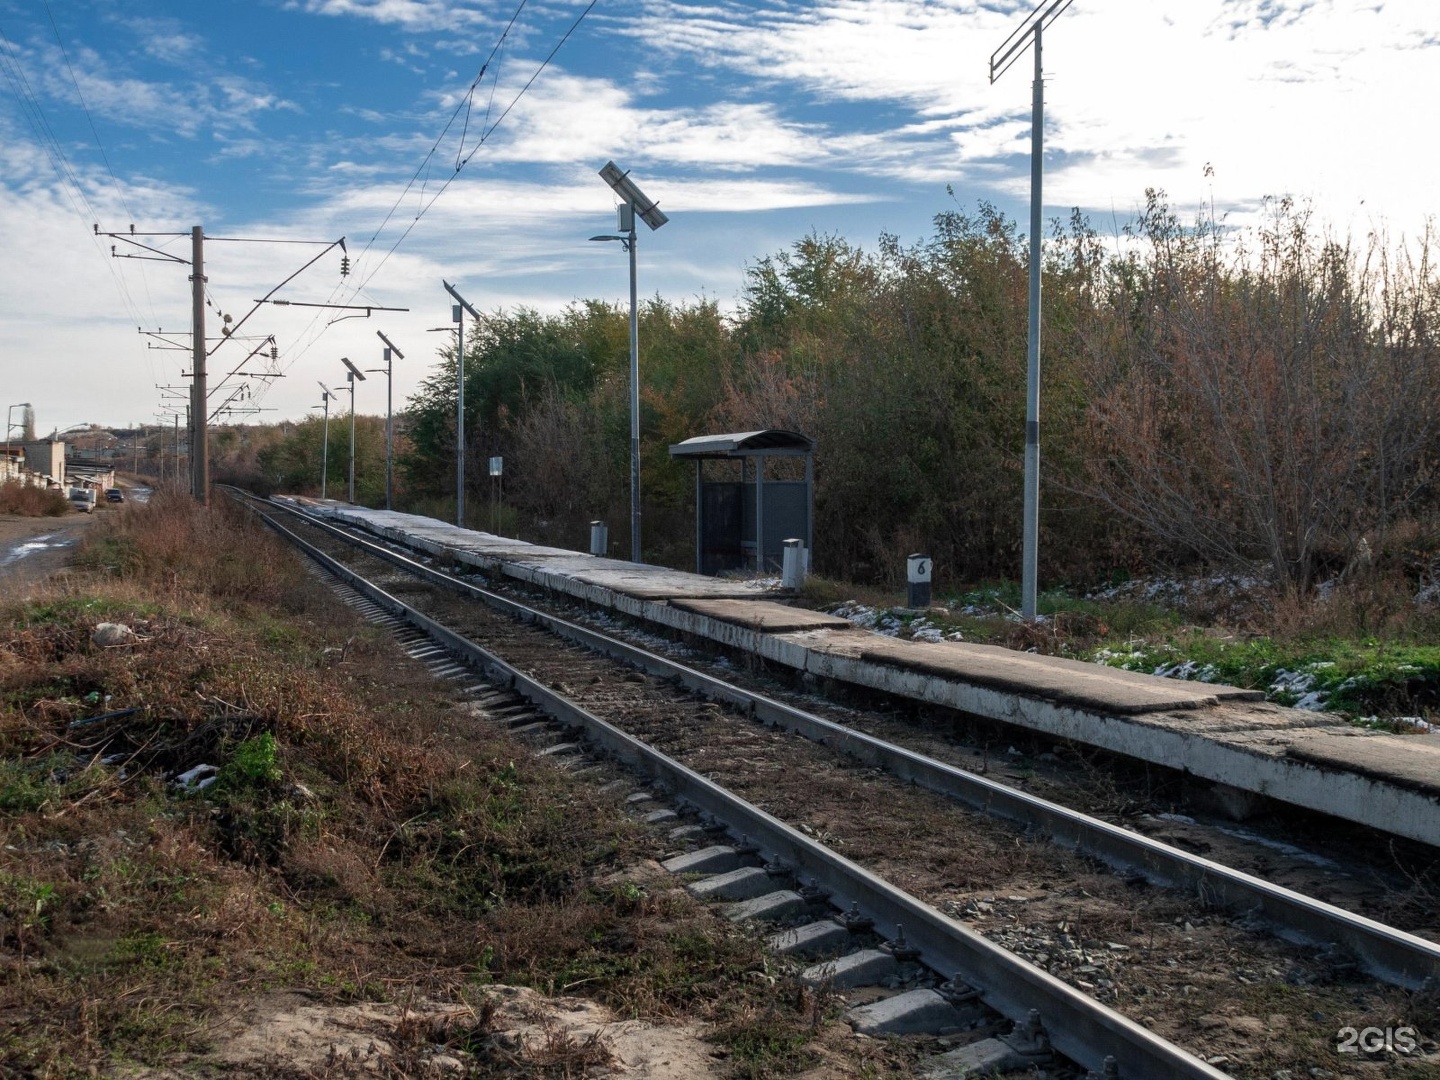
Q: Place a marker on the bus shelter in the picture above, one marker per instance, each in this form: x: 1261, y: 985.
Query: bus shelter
x: 742, y: 523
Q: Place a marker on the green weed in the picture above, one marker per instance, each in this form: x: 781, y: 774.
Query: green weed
x: 254, y: 764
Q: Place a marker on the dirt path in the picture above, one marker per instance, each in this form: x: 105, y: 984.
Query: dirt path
x: 33, y: 548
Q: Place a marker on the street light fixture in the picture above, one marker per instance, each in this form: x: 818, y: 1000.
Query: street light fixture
x: 389, y: 433
x: 325, y: 451
x: 1025, y: 35
x: 633, y: 202
x: 351, y: 375
x: 8, y: 426
x: 457, y: 314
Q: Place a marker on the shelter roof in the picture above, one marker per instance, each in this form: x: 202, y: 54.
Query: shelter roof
x: 771, y: 441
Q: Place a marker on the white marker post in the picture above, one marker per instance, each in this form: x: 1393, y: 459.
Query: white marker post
x: 917, y: 577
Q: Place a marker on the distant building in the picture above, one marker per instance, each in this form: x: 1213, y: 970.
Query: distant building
x: 46, y: 458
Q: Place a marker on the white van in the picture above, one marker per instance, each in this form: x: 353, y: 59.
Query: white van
x: 83, y: 500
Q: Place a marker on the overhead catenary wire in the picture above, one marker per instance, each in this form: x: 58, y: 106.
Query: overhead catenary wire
x: 464, y: 104
x: 419, y: 170
x: 488, y: 130
x: 484, y: 137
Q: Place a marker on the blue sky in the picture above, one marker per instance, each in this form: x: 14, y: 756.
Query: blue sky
x: 751, y: 122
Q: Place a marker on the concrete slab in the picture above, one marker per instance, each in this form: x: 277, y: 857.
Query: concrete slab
x: 906, y: 1014
x: 659, y: 817
x: 687, y: 832
x: 867, y: 967
x: 1054, y: 678
x: 764, y: 615
x: 771, y: 907
x: 826, y: 937
x: 744, y: 884
x: 1410, y: 761
x: 645, y: 582
x: 718, y: 859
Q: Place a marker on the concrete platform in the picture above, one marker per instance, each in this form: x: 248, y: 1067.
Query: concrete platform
x: 1375, y: 757
x: 1218, y: 733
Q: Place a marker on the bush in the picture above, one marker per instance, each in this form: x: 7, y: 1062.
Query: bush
x: 29, y: 501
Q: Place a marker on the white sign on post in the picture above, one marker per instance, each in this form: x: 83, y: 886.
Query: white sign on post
x: 497, y: 465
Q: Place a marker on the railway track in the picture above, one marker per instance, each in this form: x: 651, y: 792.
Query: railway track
x: 796, y: 804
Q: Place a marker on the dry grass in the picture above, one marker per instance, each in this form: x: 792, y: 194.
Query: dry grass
x: 365, y: 839
x: 29, y: 501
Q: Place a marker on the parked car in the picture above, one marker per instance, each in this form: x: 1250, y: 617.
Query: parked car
x: 83, y: 499
x: 114, y: 495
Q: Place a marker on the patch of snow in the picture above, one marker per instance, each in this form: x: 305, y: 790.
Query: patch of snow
x: 198, y: 778
x: 1178, y: 593
x: 868, y: 618
x: 1191, y: 670
x: 1302, y: 685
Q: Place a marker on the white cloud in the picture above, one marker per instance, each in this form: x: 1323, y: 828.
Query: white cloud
x: 227, y: 101
x: 747, y: 121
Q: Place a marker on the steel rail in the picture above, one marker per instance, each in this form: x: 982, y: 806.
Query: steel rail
x: 1382, y: 951
x: 1080, y: 1028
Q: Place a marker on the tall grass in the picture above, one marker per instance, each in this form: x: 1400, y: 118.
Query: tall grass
x: 220, y: 552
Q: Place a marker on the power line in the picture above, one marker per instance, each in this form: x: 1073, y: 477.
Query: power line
x: 86, y: 109
x: 465, y: 104
x: 460, y: 162
x: 484, y: 136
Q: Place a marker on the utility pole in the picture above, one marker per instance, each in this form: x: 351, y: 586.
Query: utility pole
x: 389, y: 370
x: 634, y: 203
x: 351, y: 375
x: 325, y: 452
x: 457, y: 311
x: 1028, y: 33
x: 199, y: 398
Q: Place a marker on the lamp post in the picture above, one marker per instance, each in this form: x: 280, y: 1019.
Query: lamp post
x: 8, y: 426
x: 1012, y: 49
x: 352, y: 374
x: 325, y: 451
x: 633, y: 202
x: 389, y: 433
x: 457, y: 316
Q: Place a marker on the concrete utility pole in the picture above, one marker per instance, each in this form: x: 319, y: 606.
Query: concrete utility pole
x: 199, y: 393
x: 1027, y: 34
